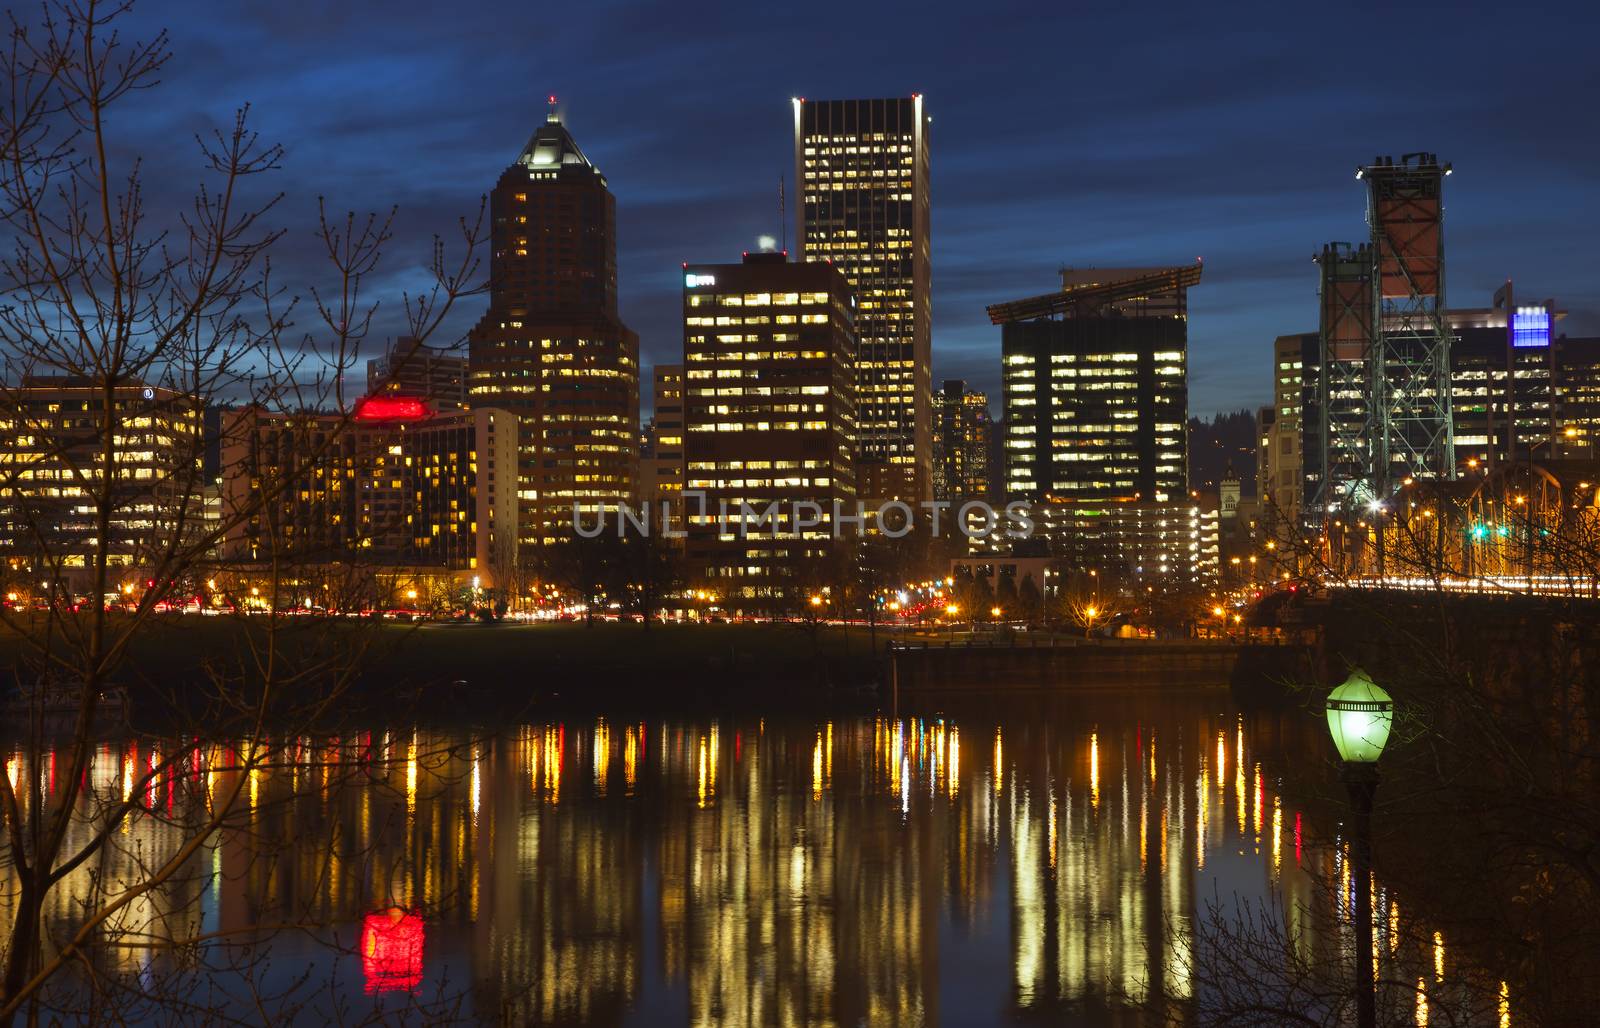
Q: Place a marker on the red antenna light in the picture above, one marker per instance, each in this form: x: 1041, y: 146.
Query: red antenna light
x: 551, y: 99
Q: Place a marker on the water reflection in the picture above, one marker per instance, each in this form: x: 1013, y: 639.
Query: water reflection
x: 879, y: 871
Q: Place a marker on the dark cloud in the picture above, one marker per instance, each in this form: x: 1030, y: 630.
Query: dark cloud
x: 1073, y: 134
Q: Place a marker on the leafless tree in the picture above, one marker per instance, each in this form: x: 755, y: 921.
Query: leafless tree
x: 157, y: 319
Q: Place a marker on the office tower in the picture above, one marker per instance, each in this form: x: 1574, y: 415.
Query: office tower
x: 395, y: 487
x: 410, y: 368
x: 769, y: 417
x: 1095, y: 382
x: 1266, y: 457
x: 552, y: 348
x: 861, y: 168
x: 1577, y: 363
x: 1283, y: 495
x: 961, y: 430
x: 1131, y: 545
x: 1096, y: 387
x: 51, y: 491
x: 661, y: 461
x: 1502, y: 380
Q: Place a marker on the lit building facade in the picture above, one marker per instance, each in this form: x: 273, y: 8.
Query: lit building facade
x: 552, y: 348
x: 961, y: 431
x: 411, y: 368
x: 661, y: 458
x: 1283, y: 491
x: 769, y: 417
x: 53, y: 475
x: 397, y: 487
x: 1095, y: 386
x: 862, y: 172
x: 1131, y: 543
x: 1577, y: 362
x: 1502, y: 379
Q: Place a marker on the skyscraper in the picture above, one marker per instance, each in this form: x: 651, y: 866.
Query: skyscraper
x: 411, y: 368
x: 55, y: 455
x: 768, y: 418
x: 661, y: 466
x: 961, y: 429
x: 552, y: 348
x: 1096, y: 387
x: 397, y: 487
x: 862, y: 173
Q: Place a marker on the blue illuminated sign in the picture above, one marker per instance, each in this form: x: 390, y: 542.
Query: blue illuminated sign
x: 1530, y: 326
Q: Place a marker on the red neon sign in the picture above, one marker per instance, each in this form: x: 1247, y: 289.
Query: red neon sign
x: 391, y: 408
x: 391, y: 951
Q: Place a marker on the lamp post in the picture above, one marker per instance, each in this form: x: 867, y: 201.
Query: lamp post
x: 1360, y: 715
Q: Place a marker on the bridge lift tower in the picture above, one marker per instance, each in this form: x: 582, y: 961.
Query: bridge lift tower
x: 1410, y: 427
x: 1343, y: 382
x: 1383, y: 380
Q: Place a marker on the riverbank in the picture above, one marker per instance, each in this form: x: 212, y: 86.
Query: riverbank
x: 477, y: 671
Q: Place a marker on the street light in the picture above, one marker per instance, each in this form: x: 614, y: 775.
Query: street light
x: 1360, y: 715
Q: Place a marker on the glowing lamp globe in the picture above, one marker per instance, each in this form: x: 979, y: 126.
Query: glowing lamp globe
x: 1360, y: 715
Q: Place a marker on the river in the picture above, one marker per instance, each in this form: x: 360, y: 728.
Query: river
x: 970, y: 869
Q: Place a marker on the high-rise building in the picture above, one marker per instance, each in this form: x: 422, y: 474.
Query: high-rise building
x: 1134, y: 544
x: 1095, y: 379
x: 1294, y: 365
x: 1502, y: 379
x: 961, y: 428
x: 861, y: 168
x: 769, y: 418
x: 1096, y: 390
x: 661, y: 460
x: 551, y: 348
x: 397, y: 485
x: 411, y: 368
x: 1577, y: 362
x: 53, y: 475
x: 1267, y: 457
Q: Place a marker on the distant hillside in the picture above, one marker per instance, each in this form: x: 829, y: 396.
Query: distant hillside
x: 1212, y: 444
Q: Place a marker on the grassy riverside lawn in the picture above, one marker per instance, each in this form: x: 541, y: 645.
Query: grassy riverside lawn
x: 449, y: 667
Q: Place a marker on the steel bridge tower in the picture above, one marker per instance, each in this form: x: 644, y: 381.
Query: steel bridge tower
x: 1410, y: 428
x: 1344, y: 479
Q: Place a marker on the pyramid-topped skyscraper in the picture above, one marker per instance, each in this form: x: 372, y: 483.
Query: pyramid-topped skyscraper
x: 551, y: 347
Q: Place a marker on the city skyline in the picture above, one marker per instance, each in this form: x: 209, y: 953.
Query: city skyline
x: 1249, y: 164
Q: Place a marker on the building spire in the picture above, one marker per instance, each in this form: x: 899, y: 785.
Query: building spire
x: 554, y: 112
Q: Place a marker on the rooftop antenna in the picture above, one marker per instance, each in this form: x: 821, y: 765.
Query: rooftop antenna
x: 554, y: 113
x: 783, y: 221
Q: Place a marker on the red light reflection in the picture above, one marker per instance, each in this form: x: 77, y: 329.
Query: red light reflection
x: 391, y: 951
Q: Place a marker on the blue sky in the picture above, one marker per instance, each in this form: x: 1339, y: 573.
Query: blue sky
x: 1062, y: 135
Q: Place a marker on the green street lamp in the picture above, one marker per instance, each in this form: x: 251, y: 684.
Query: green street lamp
x: 1360, y: 715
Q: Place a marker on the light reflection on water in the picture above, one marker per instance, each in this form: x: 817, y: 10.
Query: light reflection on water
x: 851, y: 871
